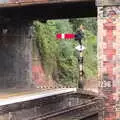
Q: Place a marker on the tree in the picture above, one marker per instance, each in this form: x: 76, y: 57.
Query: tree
x: 89, y: 23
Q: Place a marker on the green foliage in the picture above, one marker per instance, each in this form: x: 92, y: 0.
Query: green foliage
x: 59, y: 56
x: 90, y: 55
x: 47, y: 46
x: 68, y: 66
x: 90, y: 24
x: 63, y: 26
x: 67, y: 61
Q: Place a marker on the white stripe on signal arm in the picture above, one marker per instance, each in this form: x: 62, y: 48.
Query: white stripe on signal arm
x: 62, y: 36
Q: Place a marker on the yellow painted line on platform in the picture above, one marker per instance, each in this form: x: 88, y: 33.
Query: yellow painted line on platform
x: 35, y: 95
x: 7, y: 95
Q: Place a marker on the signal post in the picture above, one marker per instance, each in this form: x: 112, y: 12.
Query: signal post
x: 78, y: 37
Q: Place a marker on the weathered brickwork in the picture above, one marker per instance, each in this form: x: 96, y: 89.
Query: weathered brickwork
x: 39, y: 77
x: 109, y: 58
x: 38, y: 74
x: 15, y: 55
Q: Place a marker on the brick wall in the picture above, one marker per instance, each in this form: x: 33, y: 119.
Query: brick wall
x: 109, y: 58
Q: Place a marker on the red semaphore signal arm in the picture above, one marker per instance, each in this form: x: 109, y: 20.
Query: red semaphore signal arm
x: 65, y: 36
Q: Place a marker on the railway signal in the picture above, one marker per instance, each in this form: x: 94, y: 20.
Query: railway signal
x: 78, y: 37
x: 80, y: 48
x: 65, y: 36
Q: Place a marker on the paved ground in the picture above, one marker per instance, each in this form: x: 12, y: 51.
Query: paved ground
x: 10, y: 97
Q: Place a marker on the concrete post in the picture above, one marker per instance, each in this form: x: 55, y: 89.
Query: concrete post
x: 109, y: 59
x: 15, y: 54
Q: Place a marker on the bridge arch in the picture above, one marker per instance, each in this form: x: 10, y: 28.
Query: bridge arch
x: 108, y: 35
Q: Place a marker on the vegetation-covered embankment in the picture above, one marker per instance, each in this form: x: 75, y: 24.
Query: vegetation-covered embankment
x: 59, y: 57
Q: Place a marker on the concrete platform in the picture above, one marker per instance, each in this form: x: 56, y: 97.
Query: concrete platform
x: 11, y: 97
x: 50, y: 104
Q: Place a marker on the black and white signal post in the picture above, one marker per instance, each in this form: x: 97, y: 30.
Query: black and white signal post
x: 78, y: 37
